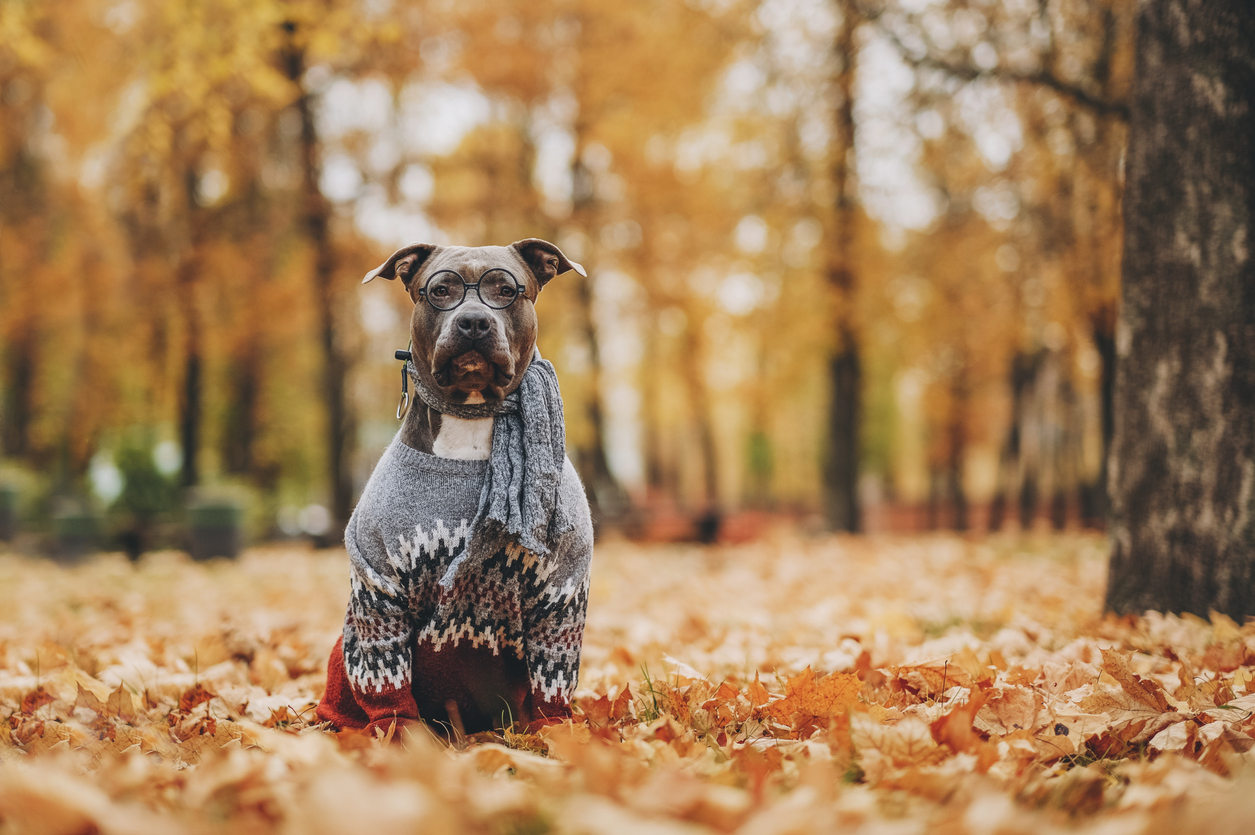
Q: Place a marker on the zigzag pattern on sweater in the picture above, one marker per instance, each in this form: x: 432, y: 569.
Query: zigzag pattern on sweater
x: 506, y: 604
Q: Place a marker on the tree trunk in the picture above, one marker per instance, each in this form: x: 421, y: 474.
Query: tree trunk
x: 1023, y: 373
x: 1183, y: 458
x: 606, y: 495
x: 606, y: 491
x: 16, y: 409
x: 1095, y: 505
x: 710, y: 517
x: 190, y: 411
x: 840, y: 467
x: 1065, y: 450
x: 241, y: 414
x: 651, y: 420
x: 316, y: 220
x: 957, y: 443
x: 24, y: 205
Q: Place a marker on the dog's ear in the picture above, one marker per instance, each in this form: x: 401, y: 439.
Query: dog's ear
x: 544, y: 259
x: 403, y: 264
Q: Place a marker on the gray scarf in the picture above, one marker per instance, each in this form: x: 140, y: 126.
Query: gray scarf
x: 519, y: 501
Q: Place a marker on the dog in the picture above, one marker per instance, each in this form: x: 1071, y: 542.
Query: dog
x: 470, y: 547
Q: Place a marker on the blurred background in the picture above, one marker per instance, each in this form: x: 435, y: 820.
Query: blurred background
x: 852, y: 265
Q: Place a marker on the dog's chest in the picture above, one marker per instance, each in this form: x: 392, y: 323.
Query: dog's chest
x: 467, y: 440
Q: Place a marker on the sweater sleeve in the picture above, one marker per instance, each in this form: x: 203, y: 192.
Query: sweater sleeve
x: 556, y: 606
x: 378, y: 639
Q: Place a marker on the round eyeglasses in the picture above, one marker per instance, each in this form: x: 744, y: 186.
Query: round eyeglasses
x: 496, y: 288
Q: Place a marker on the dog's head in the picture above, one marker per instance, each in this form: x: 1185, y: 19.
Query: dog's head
x: 474, y: 320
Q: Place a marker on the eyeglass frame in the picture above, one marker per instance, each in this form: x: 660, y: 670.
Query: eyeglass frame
x: 520, y: 289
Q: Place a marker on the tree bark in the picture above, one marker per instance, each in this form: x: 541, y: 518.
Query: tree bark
x: 16, y: 409
x: 316, y: 220
x: 190, y: 410
x: 651, y: 420
x: 704, y: 427
x: 606, y: 495
x: 1182, y: 467
x: 1095, y: 506
x: 840, y: 467
x: 956, y: 433
x: 1020, y: 379
x: 24, y: 204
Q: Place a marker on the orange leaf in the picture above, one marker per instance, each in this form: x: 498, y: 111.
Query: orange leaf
x: 87, y: 699
x: 807, y: 698
x: 1146, y: 691
x: 36, y: 699
x: 193, y: 696
x: 933, y: 679
x: 120, y: 705
x: 621, y: 708
x: 954, y: 730
x: 757, y: 693
x: 597, y: 710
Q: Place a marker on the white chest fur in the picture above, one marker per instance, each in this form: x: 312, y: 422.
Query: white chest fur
x: 469, y: 440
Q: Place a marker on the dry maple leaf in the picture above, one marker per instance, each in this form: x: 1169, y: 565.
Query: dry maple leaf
x: 193, y: 696
x: 908, y: 742
x: 954, y: 730
x: 1147, y: 692
x: 87, y: 699
x: 606, y: 711
x: 757, y: 692
x: 930, y: 680
x: 35, y: 699
x: 978, y: 672
x: 1010, y: 708
x: 120, y: 705
x: 809, y: 698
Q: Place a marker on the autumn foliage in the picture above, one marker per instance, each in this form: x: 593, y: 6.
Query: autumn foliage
x: 782, y: 687
x: 190, y: 192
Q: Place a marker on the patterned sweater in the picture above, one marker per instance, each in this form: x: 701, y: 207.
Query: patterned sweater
x: 501, y: 646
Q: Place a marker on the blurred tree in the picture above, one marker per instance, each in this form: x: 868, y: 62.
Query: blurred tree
x: 25, y: 57
x: 299, y: 28
x: 222, y: 156
x: 58, y: 291
x: 1068, y: 62
x: 172, y: 234
x: 200, y: 70
x: 1183, y: 460
x: 845, y: 376
x: 607, y: 78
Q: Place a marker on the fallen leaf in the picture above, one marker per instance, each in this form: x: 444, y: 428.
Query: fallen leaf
x: 809, y: 698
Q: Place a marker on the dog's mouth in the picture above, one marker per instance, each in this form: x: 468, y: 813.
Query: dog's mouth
x: 473, y: 372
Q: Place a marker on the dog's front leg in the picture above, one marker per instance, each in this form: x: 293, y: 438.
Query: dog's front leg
x: 369, y: 685
x: 555, y: 608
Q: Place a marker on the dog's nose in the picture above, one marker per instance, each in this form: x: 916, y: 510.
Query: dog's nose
x: 474, y: 324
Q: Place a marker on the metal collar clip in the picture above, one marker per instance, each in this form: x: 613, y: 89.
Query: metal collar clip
x: 404, y: 357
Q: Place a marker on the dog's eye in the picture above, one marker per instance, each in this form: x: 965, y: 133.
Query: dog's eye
x: 507, y: 292
x: 440, y: 292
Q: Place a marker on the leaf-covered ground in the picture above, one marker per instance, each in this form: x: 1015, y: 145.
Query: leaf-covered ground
x: 793, y: 686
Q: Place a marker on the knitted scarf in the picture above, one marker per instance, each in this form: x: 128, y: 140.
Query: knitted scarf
x: 519, y: 500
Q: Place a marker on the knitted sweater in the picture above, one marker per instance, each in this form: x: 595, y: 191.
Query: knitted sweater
x: 501, y: 645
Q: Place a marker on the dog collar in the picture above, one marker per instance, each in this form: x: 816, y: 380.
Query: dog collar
x: 466, y: 411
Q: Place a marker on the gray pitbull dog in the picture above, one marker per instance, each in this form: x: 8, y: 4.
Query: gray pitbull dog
x: 469, y: 577
x: 473, y: 340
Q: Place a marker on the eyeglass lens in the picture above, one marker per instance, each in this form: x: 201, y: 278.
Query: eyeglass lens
x: 497, y: 289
